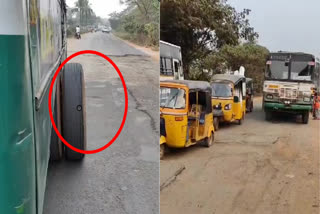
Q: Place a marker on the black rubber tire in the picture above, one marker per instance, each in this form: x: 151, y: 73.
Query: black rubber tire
x: 268, y: 115
x: 74, y: 110
x: 209, y: 141
x: 216, y: 123
x: 305, y: 117
x: 240, y: 121
x: 162, y: 151
x: 56, y: 146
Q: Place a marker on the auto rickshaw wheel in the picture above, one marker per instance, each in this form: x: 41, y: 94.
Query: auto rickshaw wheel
x: 74, y: 110
x: 209, y: 141
x: 162, y: 151
x: 216, y: 123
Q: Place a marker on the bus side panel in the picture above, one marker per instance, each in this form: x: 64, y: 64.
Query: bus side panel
x: 17, y: 150
x: 46, y: 45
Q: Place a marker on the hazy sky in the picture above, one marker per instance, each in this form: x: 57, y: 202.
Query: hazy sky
x: 288, y: 25
x: 102, y: 8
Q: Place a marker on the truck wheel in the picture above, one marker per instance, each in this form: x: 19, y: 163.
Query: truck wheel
x: 216, y: 123
x: 268, y: 115
x: 305, y: 117
x: 56, y: 147
x: 74, y: 110
x: 162, y: 149
x: 209, y: 141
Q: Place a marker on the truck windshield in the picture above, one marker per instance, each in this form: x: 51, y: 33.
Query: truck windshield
x: 277, y: 70
x: 174, y: 98
x: 301, y: 71
x: 221, y: 90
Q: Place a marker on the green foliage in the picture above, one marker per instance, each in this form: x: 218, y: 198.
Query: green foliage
x: 200, y: 27
x: 249, y: 55
x: 139, y: 22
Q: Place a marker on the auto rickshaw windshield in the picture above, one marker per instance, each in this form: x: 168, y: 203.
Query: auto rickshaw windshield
x: 221, y: 90
x: 173, y: 98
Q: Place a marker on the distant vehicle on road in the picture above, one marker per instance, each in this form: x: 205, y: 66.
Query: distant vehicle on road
x: 289, y: 82
x: 106, y: 30
x: 170, y: 62
x: 33, y: 45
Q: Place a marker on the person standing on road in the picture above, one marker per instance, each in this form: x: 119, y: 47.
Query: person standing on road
x: 316, y: 107
x: 78, y: 31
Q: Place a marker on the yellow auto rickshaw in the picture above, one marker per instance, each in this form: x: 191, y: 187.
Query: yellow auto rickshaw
x: 185, y: 114
x: 228, y: 98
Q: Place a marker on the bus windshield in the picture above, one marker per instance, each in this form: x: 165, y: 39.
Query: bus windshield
x: 221, y: 90
x: 301, y: 71
x: 173, y: 98
x: 294, y: 70
x: 277, y: 70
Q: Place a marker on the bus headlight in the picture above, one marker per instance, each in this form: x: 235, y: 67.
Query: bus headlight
x: 227, y: 107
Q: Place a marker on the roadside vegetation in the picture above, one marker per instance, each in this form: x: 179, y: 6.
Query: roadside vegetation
x: 81, y: 14
x: 214, y: 37
x: 138, y: 23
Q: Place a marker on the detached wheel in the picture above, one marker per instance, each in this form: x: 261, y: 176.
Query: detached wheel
x: 216, y: 123
x: 56, y: 146
x: 209, y: 141
x: 305, y: 117
x: 74, y: 110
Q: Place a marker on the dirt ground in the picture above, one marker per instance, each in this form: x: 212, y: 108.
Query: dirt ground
x: 258, y: 167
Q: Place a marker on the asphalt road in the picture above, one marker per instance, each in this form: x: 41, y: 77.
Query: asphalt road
x: 259, y: 167
x: 125, y: 177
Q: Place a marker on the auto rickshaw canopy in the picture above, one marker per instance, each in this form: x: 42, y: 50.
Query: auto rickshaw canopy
x: 191, y: 84
x: 235, y: 79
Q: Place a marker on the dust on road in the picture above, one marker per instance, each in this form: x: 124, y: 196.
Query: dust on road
x: 258, y: 167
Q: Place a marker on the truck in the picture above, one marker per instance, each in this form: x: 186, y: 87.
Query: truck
x: 32, y: 46
x: 170, y: 62
x: 290, y: 79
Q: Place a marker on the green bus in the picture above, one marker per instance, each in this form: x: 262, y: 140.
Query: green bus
x: 32, y: 46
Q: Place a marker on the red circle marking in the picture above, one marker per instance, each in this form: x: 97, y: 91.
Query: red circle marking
x: 125, y: 95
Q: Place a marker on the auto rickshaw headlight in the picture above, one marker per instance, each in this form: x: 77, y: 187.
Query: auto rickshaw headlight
x: 227, y: 107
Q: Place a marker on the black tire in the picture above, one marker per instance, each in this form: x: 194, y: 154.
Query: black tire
x: 209, y: 141
x: 268, y: 115
x: 56, y: 146
x: 162, y: 151
x: 74, y: 110
x: 240, y: 121
x: 216, y: 123
x: 305, y: 117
